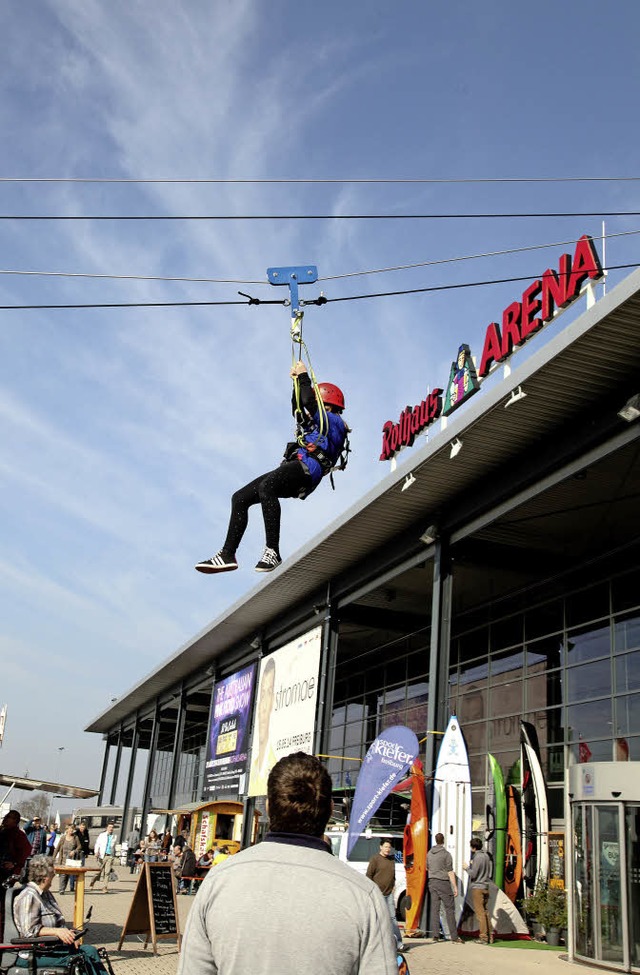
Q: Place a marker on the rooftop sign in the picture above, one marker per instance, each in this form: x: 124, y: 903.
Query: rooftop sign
x: 541, y: 301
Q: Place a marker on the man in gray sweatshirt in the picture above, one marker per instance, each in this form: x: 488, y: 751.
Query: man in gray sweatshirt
x: 480, y: 872
x: 287, y: 905
x: 443, y: 887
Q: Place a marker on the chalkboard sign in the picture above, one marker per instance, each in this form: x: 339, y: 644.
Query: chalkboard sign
x: 154, y: 911
x: 162, y: 899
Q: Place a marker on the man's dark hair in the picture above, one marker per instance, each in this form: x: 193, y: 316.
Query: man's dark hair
x: 439, y: 838
x: 476, y: 844
x: 299, y: 795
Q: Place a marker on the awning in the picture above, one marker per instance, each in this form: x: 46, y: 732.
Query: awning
x: 57, y: 788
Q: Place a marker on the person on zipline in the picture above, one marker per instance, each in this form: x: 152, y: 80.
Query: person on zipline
x: 316, y: 452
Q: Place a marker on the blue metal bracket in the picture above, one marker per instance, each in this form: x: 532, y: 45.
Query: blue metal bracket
x: 293, y: 276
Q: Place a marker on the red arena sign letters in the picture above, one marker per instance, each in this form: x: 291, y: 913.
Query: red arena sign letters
x: 520, y: 320
x: 544, y: 296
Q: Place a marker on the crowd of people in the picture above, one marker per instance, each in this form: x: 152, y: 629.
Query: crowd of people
x: 292, y: 860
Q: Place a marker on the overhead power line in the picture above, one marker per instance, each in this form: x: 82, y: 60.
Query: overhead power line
x: 316, y: 216
x: 285, y: 302
x: 329, y: 277
x: 320, y: 181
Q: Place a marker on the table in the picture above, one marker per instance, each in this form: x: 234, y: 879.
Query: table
x: 78, y: 904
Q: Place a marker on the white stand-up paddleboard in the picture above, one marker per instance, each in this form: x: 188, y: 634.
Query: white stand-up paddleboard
x: 451, y: 809
x: 535, y: 811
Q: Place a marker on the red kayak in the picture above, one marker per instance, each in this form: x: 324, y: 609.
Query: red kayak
x: 416, y: 842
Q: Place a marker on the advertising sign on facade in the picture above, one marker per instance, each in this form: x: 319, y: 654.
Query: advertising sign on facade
x: 541, y: 301
x: 229, y: 736
x: 285, y: 711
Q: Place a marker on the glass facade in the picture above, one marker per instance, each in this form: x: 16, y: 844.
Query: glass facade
x: 570, y: 665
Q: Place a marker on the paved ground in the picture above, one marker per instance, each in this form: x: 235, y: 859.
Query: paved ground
x: 110, y: 911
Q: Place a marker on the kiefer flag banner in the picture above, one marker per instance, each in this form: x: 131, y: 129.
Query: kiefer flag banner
x: 387, y: 760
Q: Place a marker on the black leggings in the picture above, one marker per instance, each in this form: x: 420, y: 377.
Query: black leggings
x: 286, y: 481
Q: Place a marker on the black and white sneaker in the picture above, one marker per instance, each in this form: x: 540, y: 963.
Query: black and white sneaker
x: 218, y: 563
x: 270, y: 560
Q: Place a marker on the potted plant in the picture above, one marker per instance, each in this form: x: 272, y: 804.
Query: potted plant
x: 548, y: 906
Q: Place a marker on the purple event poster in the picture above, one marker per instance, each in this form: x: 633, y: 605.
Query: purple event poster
x: 229, y: 735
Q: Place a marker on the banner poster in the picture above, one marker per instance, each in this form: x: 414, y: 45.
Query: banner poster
x: 556, y: 860
x: 285, y: 711
x: 228, y: 746
x: 389, y: 757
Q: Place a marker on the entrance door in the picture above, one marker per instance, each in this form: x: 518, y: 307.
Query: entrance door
x: 606, y: 892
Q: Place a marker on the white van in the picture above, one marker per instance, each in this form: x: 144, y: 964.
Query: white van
x: 366, y: 846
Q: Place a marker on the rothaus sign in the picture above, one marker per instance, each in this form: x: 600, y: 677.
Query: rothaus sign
x: 553, y: 291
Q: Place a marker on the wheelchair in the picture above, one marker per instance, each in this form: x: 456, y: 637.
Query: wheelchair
x: 42, y: 955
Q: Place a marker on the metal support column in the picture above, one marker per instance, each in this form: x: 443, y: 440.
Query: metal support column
x: 116, y: 770
x: 103, y: 774
x: 177, y: 749
x: 126, y: 826
x: 439, y: 652
x: 325, y: 689
x: 153, y: 746
x: 439, y: 659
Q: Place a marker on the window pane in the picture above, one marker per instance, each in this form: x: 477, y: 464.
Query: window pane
x: 588, y: 680
x: 626, y: 591
x: 587, y: 644
x: 588, y: 604
x: 548, y: 618
x: 473, y: 645
x: 592, y: 720
x: 506, y: 633
x: 547, y: 651
x: 628, y: 714
x: 506, y: 699
x: 626, y: 634
x: 628, y: 672
x: 507, y: 667
x: 543, y: 689
x: 504, y: 738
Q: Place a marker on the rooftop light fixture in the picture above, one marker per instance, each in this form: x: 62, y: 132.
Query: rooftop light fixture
x: 408, y: 481
x: 429, y: 535
x: 516, y: 394
x: 631, y: 409
x: 456, y: 447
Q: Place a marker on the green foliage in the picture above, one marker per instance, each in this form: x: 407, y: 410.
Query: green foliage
x: 548, y: 905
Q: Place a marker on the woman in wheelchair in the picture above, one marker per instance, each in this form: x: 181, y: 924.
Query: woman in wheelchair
x: 36, y: 915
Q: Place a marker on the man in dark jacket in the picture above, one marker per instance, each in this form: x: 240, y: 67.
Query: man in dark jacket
x: 37, y: 836
x: 15, y: 848
x: 382, y: 870
x: 480, y: 869
x: 443, y: 888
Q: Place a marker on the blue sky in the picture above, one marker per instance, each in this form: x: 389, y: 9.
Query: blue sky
x: 124, y: 432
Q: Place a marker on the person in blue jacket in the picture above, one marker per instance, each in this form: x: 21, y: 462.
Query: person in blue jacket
x: 316, y: 452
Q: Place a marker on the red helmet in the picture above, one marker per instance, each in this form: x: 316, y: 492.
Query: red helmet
x: 331, y: 395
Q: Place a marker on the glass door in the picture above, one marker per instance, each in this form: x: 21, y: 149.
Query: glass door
x: 583, y: 880
x: 605, y: 898
x: 609, y: 893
